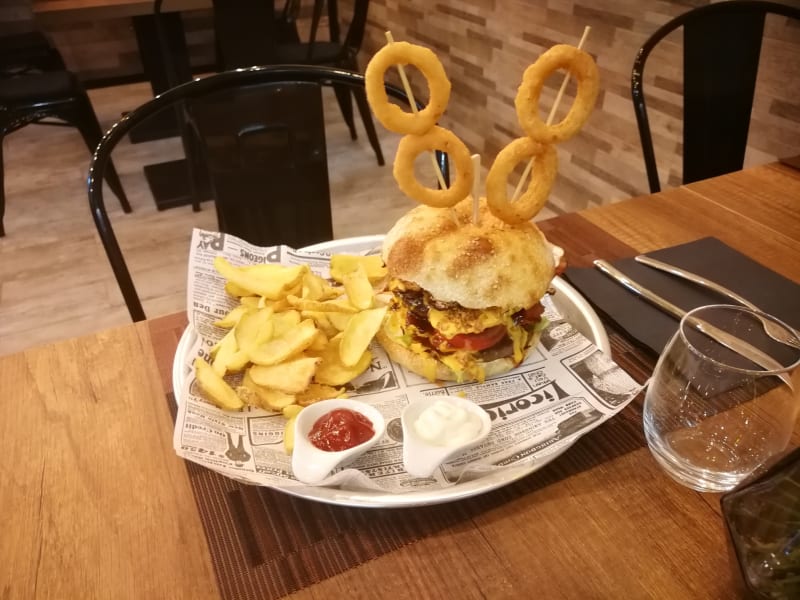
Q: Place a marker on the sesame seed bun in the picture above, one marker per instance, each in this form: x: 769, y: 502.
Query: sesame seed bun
x: 477, y: 266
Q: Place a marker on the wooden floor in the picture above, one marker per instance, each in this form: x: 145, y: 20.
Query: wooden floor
x: 55, y: 280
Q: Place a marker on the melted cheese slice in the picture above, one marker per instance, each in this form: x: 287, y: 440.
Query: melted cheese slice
x: 452, y: 322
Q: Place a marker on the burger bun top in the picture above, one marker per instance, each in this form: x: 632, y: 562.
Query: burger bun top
x: 492, y: 264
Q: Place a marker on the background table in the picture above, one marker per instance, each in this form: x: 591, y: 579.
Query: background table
x: 161, y: 42
x: 97, y: 504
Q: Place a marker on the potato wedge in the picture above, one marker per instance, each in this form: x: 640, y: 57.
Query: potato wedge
x: 358, y: 288
x: 253, y: 329
x: 267, y: 398
x: 248, y: 396
x: 284, y: 321
x: 277, y: 306
x: 291, y: 343
x: 313, y: 287
x: 342, y: 264
x: 331, y: 371
x: 232, y: 318
x: 291, y: 411
x: 316, y: 392
x: 320, y: 342
x: 339, y: 320
x: 291, y: 376
x: 215, y: 388
x: 359, y: 333
x: 321, y: 321
x: 330, y: 292
x: 225, y: 357
x: 236, y: 291
x: 317, y: 306
x: 288, y: 435
x: 263, y: 280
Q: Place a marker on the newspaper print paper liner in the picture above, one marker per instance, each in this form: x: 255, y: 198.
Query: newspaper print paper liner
x: 236, y: 444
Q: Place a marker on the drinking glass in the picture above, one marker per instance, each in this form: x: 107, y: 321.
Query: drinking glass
x: 724, y: 396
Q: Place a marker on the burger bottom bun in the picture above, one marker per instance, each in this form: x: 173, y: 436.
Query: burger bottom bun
x: 424, y: 364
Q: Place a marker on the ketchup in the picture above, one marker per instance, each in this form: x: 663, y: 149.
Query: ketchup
x: 340, y: 429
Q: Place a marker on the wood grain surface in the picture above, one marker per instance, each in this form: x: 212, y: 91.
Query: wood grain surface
x: 96, y: 504
x: 83, y: 10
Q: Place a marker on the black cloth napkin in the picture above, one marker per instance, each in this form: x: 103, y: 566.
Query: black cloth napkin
x: 708, y: 257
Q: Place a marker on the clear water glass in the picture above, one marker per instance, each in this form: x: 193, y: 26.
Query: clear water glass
x: 724, y: 397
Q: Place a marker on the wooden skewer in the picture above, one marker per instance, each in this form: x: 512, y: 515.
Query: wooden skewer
x: 410, y: 94
x: 476, y: 189
x: 550, y: 118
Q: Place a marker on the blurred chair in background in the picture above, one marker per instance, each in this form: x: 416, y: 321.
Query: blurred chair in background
x: 721, y: 50
x: 34, y: 86
x: 28, y: 51
x: 260, y: 135
x: 341, y: 54
x: 250, y: 32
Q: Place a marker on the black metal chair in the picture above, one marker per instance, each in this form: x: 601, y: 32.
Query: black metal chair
x: 28, y: 51
x: 259, y: 137
x: 35, y: 86
x: 341, y: 54
x: 721, y: 48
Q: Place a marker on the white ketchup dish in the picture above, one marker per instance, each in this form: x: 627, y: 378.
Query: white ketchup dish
x: 333, y: 429
x: 437, y: 428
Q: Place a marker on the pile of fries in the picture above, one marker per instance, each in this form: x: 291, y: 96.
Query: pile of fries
x: 294, y: 338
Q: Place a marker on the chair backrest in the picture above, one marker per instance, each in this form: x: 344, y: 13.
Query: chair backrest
x: 358, y: 24
x: 245, y: 31
x: 355, y: 32
x: 266, y: 158
x: 30, y: 51
x: 721, y: 51
x: 259, y: 136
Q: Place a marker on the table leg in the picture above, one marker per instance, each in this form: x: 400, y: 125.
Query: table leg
x: 166, y: 67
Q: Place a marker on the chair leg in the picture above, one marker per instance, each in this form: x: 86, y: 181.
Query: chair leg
x: 366, y: 117
x: 346, y: 106
x: 86, y: 122
x: 2, y: 190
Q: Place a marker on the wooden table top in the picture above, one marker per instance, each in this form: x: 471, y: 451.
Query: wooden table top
x: 50, y: 11
x: 97, y: 504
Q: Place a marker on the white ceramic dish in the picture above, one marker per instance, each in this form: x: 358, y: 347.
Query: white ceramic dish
x: 420, y: 456
x: 570, y: 303
x: 312, y: 465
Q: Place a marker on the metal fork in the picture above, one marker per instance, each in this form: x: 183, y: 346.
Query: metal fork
x: 774, y: 331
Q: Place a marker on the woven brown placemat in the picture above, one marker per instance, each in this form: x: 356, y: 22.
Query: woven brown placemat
x: 266, y: 544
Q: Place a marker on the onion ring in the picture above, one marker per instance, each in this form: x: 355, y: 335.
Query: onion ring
x: 438, y: 138
x: 533, y: 199
x: 392, y: 116
x: 581, y: 66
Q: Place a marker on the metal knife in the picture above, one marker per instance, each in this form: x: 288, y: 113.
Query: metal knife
x: 726, y: 339
x: 620, y: 277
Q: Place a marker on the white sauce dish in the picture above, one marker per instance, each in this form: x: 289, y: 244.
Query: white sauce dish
x: 437, y: 428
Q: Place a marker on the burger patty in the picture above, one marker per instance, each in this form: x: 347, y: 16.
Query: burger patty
x: 501, y: 349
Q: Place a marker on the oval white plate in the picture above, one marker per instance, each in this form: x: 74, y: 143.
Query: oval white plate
x: 575, y: 309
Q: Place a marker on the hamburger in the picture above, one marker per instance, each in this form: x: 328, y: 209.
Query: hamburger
x: 465, y: 299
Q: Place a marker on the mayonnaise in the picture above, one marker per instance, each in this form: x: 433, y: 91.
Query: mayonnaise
x: 443, y: 424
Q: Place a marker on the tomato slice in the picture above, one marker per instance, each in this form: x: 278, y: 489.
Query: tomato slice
x: 475, y: 342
